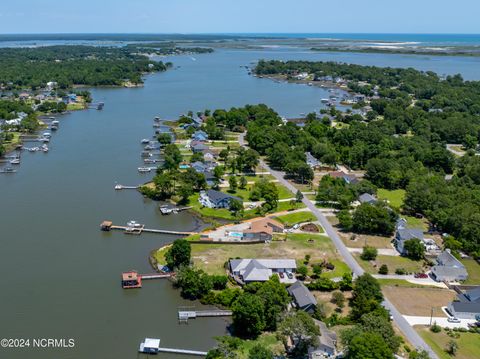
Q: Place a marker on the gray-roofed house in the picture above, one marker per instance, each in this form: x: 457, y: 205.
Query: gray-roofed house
x: 198, y: 147
x: 260, y: 270
x: 198, y: 166
x: 367, y: 198
x: 449, y: 268
x: 302, y: 297
x: 465, y: 310
x: 216, y: 199
x: 403, y: 234
x: 327, y: 347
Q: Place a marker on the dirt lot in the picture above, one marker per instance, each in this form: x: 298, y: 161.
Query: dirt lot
x: 419, y: 301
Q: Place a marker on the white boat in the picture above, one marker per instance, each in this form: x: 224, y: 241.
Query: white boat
x: 33, y: 149
x: 47, y: 135
x: 324, y: 100
x: 145, y: 141
x: 156, y: 119
x: 44, y: 139
x: 55, y: 123
x: 149, y: 160
x: 118, y: 187
x: 134, y: 224
x: 144, y: 169
x: 53, y: 127
x: 8, y: 170
x: 15, y: 161
x: 44, y: 148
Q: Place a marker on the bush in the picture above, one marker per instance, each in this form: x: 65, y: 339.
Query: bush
x: 400, y: 271
x: 369, y: 253
x: 435, y: 328
x: 383, y: 269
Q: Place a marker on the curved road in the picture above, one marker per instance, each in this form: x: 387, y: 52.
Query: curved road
x: 411, y: 335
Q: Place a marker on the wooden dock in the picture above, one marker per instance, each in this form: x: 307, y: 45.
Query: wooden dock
x: 165, y: 210
x: 156, y: 276
x: 182, y: 351
x: 107, y: 226
x: 119, y: 187
x: 185, y: 315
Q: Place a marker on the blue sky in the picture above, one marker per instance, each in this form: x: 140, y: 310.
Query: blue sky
x: 214, y: 16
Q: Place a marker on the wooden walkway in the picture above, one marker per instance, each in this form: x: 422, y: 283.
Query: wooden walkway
x: 182, y: 351
x: 155, y: 276
x: 140, y: 230
x: 185, y: 315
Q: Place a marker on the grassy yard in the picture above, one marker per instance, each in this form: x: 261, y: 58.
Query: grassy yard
x: 468, y: 343
x: 400, y: 283
x: 296, y: 217
x: 394, y: 198
x: 212, y: 257
x: 392, y: 262
x: 417, y: 222
x: 419, y: 301
x: 266, y: 340
x: 361, y: 240
x: 283, y: 192
x: 473, y: 269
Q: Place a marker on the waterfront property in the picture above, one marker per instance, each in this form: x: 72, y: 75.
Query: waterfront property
x: 263, y: 229
x: 131, y: 280
x: 302, y: 297
x: 260, y: 270
x: 449, y: 268
x: 216, y: 199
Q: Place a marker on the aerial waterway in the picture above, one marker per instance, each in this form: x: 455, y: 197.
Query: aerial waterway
x: 61, y: 274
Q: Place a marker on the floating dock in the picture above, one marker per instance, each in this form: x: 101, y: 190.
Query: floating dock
x: 119, y: 187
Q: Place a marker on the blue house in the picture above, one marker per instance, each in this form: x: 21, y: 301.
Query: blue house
x: 200, y: 136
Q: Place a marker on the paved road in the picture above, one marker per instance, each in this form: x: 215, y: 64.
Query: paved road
x: 401, y: 322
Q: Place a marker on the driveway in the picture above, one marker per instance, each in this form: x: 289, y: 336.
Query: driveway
x: 442, y: 321
x: 412, y: 336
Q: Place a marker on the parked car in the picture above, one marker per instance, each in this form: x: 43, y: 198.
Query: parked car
x: 281, y: 275
x: 453, y: 320
x: 290, y: 275
x: 421, y: 275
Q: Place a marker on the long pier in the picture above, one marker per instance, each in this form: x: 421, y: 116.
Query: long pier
x: 139, y: 229
x: 185, y: 315
x: 155, y: 276
x: 182, y: 351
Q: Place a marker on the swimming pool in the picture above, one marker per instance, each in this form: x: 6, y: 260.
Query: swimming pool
x: 235, y: 234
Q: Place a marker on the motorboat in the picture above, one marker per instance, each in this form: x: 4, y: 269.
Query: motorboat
x: 15, y: 161
x: 44, y: 148
x: 144, y: 169
x: 145, y: 141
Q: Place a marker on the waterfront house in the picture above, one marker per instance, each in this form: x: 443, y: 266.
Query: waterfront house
x: 210, y: 177
x: 216, y: 199
x: 263, y: 229
x: 367, y: 198
x: 467, y: 305
x: 449, y: 268
x: 200, y: 136
x: 260, y: 270
x: 208, y: 155
x: 302, y: 297
x: 327, y: 347
x: 131, y: 280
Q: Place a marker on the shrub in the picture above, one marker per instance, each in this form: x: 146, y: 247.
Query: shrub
x: 383, y: 269
x: 400, y: 271
x: 435, y: 328
x: 369, y: 253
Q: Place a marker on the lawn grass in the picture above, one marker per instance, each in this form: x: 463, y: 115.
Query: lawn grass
x: 296, y: 217
x: 399, y: 283
x: 212, y: 257
x: 419, y: 301
x: 392, y: 262
x: 265, y: 340
x: 468, y: 343
x: 473, y: 269
x: 283, y: 192
x: 414, y: 222
x: 395, y: 198
x: 362, y: 240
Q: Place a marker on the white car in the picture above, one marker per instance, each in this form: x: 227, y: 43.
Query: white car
x: 453, y: 320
